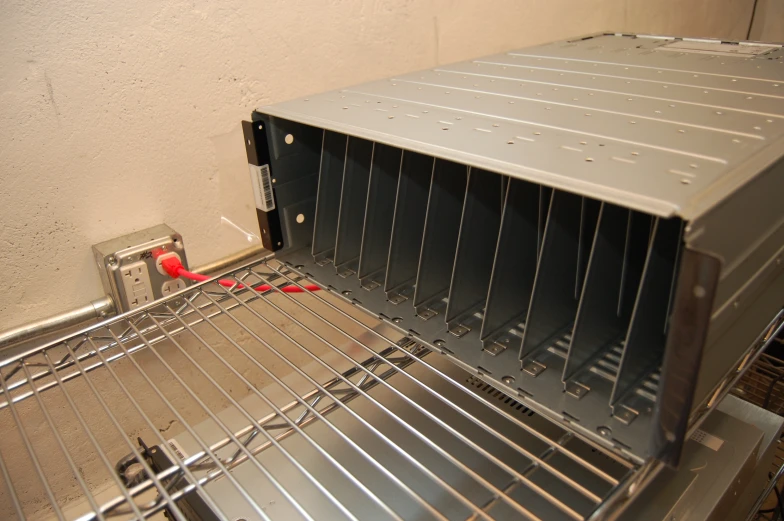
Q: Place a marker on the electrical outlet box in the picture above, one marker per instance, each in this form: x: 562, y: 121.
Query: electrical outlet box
x: 128, y: 269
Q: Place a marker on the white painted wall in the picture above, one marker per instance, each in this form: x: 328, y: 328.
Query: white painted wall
x: 112, y: 112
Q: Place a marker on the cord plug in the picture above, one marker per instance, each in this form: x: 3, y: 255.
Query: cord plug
x: 169, y: 264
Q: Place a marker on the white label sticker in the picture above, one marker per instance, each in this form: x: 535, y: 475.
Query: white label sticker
x: 262, y: 187
x: 177, y: 449
x: 709, y: 440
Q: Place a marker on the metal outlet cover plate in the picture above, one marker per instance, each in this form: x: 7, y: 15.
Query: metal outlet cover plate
x: 114, y: 255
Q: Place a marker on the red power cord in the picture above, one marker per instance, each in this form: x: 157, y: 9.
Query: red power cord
x: 173, y: 267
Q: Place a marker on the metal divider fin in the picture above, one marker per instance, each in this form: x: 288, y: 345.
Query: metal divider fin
x: 407, y: 225
x: 514, y: 265
x: 553, y: 307
x: 442, y: 225
x: 333, y: 160
x: 644, y: 347
x: 598, y: 325
x: 379, y: 210
x: 353, y: 198
x: 479, y: 224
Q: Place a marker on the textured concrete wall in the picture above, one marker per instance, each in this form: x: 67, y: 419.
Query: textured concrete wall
x: 114, y: 114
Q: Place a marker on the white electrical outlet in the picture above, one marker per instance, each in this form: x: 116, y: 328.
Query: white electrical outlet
x: 172, y: 286
x: 136, y: 282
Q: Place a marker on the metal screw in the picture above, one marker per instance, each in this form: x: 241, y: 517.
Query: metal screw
x: 347, y: 292
x: 604, y: 431
x: 112, y: 260
x: 439, y: 343
x: 508, y: 380
x: 397, y: 320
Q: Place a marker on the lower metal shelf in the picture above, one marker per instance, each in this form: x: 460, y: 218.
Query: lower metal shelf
x: 247, y: 405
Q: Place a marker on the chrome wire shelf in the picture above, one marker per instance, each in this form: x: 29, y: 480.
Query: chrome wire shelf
x: 277, y: 406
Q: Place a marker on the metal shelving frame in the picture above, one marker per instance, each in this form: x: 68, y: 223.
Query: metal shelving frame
x: 96, y: 365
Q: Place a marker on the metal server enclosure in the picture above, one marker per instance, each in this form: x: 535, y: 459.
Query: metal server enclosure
x: 594, y: 226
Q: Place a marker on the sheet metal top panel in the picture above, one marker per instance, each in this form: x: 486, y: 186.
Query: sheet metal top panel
x: 664, y: 126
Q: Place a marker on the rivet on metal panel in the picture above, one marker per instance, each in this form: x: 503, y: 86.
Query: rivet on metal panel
x: 494, y: 348
x: 533, y: 367
x: 459, y: 330
x: 345, y: 272
x: 426, y: 313
x: 604, y: 431
x: 577, y: 390
x: 370, y: 285
x: 624, y: 414
x: 508, y: 380
x: 396, y: 298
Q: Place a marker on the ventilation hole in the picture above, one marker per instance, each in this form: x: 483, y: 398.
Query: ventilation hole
x: 510, y: 142
x: 583, y: 143
x: 680, y: 130
x: 757, y: 128
x: 391, y: 117
x: 589, y: 159
x: 495, y: 124
x: 718, y: 112
x: 635, y: 153
x: 445, y: 128
x: 685, y: 181
x: 537, y: 133
x: 770, y: 120
x: 736, y: 140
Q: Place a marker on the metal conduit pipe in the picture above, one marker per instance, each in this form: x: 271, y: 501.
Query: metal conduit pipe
x: 101, y: 307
